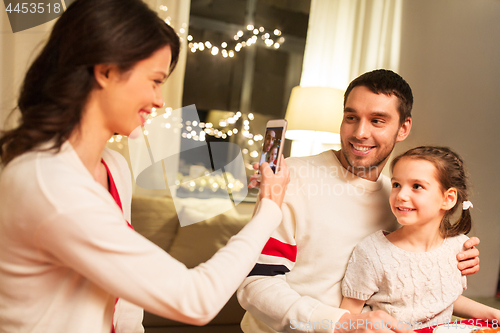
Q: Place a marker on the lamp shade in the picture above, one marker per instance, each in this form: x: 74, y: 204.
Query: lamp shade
x: 317, y: 109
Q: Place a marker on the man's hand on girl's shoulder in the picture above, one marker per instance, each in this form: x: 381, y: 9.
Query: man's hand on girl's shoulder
x: 468, y: 260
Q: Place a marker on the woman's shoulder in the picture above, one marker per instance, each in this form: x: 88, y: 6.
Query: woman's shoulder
x: 52, y: 174
x: 19, y: 174
x: 34, y: 166
x: 46, y: 182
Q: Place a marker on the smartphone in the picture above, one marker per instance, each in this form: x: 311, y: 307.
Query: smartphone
x: 274, y: 139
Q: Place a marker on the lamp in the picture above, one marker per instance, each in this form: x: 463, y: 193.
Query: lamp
x: 314, y: 115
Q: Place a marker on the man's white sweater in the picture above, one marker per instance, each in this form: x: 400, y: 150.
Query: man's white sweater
x: 296, y: 285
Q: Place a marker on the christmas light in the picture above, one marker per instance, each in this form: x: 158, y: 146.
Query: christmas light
x: 250, y: 39
x: 197, y: 131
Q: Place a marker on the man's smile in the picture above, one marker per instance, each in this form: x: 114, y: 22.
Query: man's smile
x: 361, y: 149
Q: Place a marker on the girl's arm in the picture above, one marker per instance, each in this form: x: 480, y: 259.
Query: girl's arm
x: 465, y: 307
x: 353, y: 305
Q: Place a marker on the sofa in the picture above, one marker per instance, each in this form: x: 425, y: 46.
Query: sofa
x: 157, y: 219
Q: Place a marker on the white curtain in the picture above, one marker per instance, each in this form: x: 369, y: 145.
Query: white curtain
x: 18, y: 52
x: 346, y: 38
x: 176, y: 13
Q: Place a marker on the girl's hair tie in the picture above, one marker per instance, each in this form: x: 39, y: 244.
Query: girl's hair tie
x: 467, y: 204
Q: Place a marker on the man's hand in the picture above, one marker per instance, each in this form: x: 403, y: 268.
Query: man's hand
x: 375, y: 321
x: 468, y: 261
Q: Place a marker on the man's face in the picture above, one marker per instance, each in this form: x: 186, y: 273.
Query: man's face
x: 269, y: 141
x: 370, y: 129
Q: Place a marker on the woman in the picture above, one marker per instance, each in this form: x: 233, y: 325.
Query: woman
x: 66, y: 252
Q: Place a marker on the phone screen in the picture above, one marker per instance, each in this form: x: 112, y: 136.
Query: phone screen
x: 271, y: 146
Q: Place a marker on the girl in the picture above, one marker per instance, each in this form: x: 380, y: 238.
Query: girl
x: 412, y: 272
x: 66, y: 251
x: 272, y: 156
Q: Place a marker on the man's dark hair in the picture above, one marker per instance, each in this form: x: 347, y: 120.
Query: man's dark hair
x: 389, y: 83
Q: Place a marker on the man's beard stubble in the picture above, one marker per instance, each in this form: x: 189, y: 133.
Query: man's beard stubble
x: 365, y: 169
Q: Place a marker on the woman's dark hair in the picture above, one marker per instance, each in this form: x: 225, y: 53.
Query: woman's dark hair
x: 57, y: 85
x: 450, y: 172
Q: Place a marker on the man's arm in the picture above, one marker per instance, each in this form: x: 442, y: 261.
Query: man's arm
x: 468, y: 260
x: 327, y: 317
x: 266, y: 294
x: 272, y: 301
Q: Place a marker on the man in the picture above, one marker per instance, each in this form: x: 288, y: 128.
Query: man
x: 333, y: 201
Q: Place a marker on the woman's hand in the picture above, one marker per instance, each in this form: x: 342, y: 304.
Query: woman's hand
x: 255, y: 178
x: 273, y: 186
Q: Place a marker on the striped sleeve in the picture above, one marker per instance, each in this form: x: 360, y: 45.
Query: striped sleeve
x: 276, y: 258
x: 270, y: 302
x: 280, y: 252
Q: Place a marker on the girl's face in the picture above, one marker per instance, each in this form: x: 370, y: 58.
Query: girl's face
x: 273, y: 154
x: 127, y: 98
x: 417, y: 198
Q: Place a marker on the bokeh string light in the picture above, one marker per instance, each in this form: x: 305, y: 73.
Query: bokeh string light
x: 197, y: 131
x: 240, y: 40
x: 226, y: 127
x: 207, y: 182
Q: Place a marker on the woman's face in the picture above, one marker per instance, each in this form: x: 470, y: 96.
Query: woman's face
x: 127, y: 98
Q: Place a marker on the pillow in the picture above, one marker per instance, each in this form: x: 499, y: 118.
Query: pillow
x: 156, y: 219
x: 202, y: 209
x: 196, y: 243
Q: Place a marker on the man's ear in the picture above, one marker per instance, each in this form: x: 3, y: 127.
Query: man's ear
x: 450, y: 198
x: 404, y: 130
x: 102, y: 74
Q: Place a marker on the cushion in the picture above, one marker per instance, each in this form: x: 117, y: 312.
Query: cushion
x: 156, y: 219
x: 201, y: 209
x: 196, y: 243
